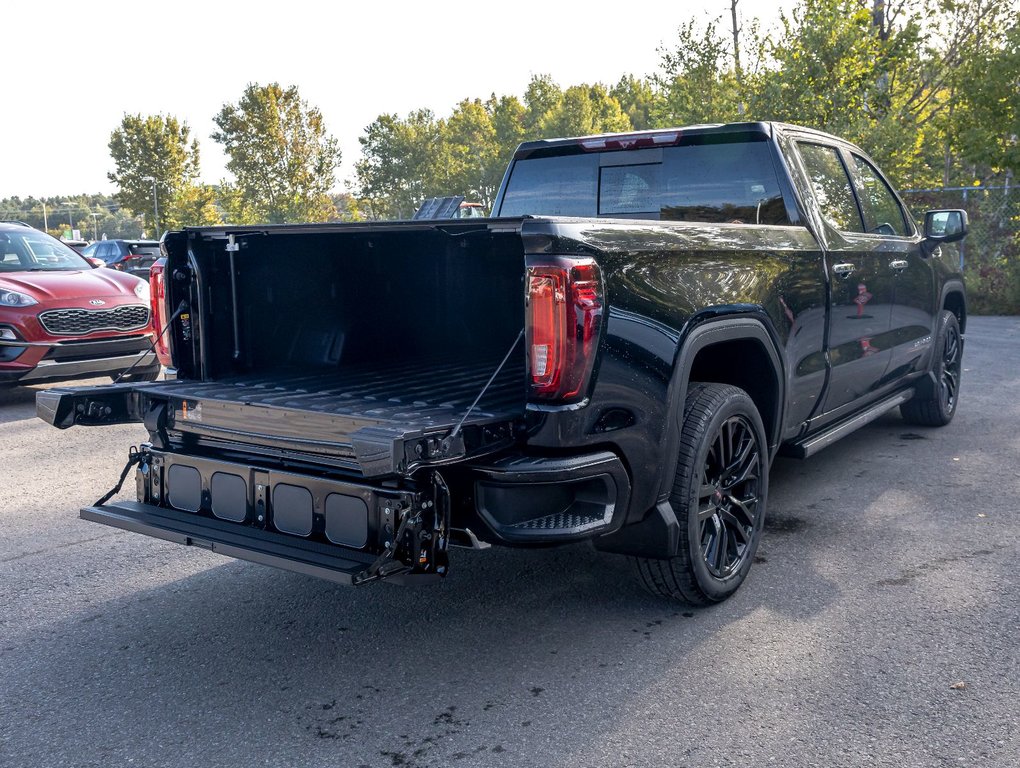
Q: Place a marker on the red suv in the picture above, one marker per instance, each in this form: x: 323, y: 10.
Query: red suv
x: 61, y: 318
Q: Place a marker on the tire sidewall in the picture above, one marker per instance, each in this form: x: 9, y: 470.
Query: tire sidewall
x: 736, y: 404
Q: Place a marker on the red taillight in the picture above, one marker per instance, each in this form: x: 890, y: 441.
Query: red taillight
x: 157, y: 299
x: 564, y: 314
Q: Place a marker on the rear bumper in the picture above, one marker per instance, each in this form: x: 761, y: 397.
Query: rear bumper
x: 547, y: 500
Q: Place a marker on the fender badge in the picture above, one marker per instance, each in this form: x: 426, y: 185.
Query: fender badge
x: 96, y: 302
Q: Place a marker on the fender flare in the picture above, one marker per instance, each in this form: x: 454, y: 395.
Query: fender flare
x: 742, y: 327
x: 954, y: 286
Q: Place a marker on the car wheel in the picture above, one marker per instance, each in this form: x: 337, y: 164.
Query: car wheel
x: 934, y: 404
x: 719, y: 495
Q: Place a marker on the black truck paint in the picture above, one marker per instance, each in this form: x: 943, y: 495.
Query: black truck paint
x: 350, y: 400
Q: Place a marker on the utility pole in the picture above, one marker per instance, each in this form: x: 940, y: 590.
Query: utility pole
x: 45, y: 223
x: 736, y: 42
x: 95, y: 225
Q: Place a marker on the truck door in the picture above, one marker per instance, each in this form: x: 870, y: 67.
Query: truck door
x: 861, y: 283
x: 912, y: 317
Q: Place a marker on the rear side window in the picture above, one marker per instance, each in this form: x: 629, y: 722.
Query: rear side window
x: 882, y: 213
x: 722, y: 182
x: 831, y: 187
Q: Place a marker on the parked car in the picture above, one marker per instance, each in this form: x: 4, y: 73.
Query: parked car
x: 63, y: 318
x: 617, y: 356
x: 133, y: 256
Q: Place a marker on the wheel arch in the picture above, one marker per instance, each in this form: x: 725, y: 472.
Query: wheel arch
x: 735, y: 350
x: 954, y: 298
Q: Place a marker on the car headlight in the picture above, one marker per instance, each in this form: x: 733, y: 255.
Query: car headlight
x: 15, y: 299
x: 142, y: 291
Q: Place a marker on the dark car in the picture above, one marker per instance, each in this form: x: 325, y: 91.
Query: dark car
x: 133, y: 256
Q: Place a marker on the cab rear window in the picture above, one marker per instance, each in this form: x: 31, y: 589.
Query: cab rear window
x: 719, y: 182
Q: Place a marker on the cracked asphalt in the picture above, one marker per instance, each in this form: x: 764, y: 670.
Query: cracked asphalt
x: 880, y: 626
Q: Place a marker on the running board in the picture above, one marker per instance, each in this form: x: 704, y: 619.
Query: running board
x: 815, y: 443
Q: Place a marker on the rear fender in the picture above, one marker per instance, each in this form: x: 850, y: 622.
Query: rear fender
x: 717, y: 330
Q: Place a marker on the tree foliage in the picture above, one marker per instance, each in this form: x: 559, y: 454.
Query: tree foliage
x: 281, y: 155
x: 399, y: 165
x: 406, y: 160
x: 155, y: 165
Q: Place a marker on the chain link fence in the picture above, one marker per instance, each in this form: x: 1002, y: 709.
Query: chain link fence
x: 991, y: 252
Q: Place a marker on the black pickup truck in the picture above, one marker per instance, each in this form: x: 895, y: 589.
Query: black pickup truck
x: 616, y: 356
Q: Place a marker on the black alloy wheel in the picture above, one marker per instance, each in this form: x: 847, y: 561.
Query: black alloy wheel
x: 719, y: 496
x: 728, y: 499
x: 952, y: 360
x: 937, y: 396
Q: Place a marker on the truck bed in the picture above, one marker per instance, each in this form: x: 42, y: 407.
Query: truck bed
x: 368, y: 417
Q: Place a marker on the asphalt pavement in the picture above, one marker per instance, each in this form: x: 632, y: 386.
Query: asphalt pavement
x: 880, y: 626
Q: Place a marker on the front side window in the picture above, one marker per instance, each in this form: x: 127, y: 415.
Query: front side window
x: 831, y: 186
x: 882, y: 213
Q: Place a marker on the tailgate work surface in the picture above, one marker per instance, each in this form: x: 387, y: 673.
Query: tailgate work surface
x: 379, y: 419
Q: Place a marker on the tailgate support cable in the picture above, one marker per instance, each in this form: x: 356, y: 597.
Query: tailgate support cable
x: 134, y: 457
x: 492, y: 378
x: 182, y: 307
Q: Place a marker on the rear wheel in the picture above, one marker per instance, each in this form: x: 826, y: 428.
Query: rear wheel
x: 934, y: 405
x: 719, y: 495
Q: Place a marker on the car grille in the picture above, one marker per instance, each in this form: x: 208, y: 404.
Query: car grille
x: 75, y: 322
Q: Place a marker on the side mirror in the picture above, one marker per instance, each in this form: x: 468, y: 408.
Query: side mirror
x: 946, y: 226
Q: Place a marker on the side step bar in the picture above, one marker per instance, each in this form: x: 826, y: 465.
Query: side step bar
x: 815, y: 443
x: 263, y: 547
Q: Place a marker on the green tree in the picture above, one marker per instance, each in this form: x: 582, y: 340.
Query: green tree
x: 639, y: 101
x: 582, y: 110
x: 986, y: 128
x: 401, y: 164
x: 154, y: 160
x: 698, y: 83
x: 282, y: 158
x: 194, y: 205
x: 472, y: 152
x: 540, y: 97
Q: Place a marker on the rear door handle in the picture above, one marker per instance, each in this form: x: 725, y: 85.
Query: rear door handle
x: 899, y: 264
x: 843, y: 270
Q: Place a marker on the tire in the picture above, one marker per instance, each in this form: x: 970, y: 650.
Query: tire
x: 719, y: 497
x: 934, y: 404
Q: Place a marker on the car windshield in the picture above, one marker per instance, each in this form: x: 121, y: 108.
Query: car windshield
x: 32, y: 250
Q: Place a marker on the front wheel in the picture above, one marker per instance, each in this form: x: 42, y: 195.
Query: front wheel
x: 719, y: 495
x: 934, y: 405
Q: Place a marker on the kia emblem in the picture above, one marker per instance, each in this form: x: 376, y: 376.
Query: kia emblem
x: 97, y: 302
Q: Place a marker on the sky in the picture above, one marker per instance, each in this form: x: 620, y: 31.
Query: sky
x: 74, y: 69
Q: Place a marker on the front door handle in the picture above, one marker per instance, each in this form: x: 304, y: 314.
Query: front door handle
x: 899, y: 264
x: 843, y: 270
